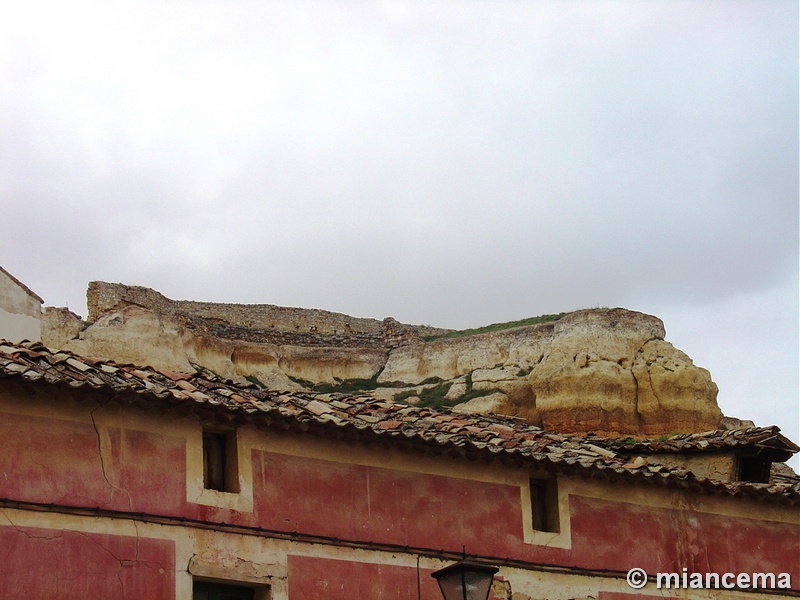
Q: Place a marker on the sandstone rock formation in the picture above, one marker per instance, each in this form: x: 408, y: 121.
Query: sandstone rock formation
x: 608, y: 371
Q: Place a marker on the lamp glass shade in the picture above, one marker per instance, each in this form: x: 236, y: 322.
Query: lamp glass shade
x: 465, y: 580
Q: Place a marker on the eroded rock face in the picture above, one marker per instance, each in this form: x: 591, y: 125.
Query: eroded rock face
x: 135, y: 335
x: 607, y: 371
x: 627, y: 377
x: 496, y: 403
x: 140, y: 336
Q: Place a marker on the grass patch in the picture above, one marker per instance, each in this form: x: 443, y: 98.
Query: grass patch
x: 434, y: 397
x: 205, y: 372
x: 255, y: 381
x: 496, y: 327
x: 404, y: 395
x: 351, y: 386
x: 471, y: 394
x: 300, y: 381
x: 346, y: 386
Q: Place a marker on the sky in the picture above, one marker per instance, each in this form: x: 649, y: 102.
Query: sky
x: 451, y: 163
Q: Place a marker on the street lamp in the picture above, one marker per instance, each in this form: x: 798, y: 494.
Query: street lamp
x: 465, y: 580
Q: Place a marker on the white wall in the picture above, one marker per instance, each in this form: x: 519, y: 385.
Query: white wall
x: 16, y: 328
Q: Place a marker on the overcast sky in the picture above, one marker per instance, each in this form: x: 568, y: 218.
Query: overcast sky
x: 447, y: 163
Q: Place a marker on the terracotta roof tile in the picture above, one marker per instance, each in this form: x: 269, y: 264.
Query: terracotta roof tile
x: 706, y: 441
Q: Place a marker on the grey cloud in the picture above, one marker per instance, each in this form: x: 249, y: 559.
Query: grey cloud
x: 453, y: 163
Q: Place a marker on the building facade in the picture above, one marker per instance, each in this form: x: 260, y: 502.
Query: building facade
x: 20, y: 310
x: 119, y: 481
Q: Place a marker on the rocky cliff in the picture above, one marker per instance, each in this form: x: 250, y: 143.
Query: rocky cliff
x: 609, y: 371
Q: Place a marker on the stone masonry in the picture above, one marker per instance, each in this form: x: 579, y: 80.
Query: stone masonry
x: 260, y: 323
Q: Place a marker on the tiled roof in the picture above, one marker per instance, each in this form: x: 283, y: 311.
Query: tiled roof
x: 367, y: 419
x: 708, y: 441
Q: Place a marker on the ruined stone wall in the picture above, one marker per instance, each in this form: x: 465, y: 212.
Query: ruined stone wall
x: 59, y: 325
x: 105, y: 297
x: 278, y: 337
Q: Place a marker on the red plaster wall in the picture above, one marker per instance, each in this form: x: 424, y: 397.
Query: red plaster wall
x: 153, y: 468
x: 383, y: 505
x: 58, y: 462
x: 68, y: 565
x: 328, y: 579
x: 616, y: 535
x: 52, y: 461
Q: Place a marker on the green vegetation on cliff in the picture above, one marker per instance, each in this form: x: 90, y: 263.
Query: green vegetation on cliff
x: 435, y: 396
x: 496, y: 327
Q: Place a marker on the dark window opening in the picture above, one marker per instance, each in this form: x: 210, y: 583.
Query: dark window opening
x: 214, y: 591
x: 544, y: 505
x: 754, y: 469
x: 220, y: 464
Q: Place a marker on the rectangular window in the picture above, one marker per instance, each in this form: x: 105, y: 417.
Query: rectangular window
x: 220, y: 461
x: 753, y: 469
x: 215, y: 591
x: 544, y: 505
